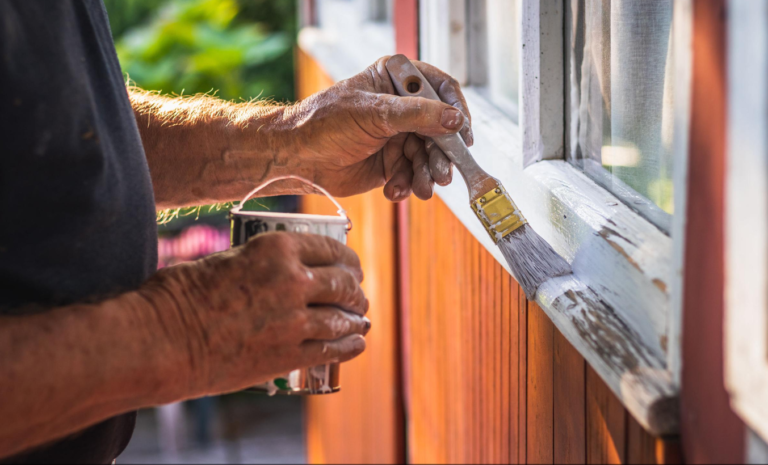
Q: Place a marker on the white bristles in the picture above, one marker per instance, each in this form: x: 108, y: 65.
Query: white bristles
x: 531, y: 259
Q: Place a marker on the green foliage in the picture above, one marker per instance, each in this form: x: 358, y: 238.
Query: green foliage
x: 240, y: 49
x: 237, y: 48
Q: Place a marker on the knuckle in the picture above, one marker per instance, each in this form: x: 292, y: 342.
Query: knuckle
x: 299, y: 275
x: 269, y: 244
x: 303, y: 322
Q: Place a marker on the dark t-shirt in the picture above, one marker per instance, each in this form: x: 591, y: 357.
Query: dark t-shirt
x: 77, y: 214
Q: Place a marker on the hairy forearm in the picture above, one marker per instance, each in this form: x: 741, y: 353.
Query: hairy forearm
x: 203, y: 150
x: 68, y: 368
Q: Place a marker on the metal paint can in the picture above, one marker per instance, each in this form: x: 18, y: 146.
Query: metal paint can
x: 322, y: 379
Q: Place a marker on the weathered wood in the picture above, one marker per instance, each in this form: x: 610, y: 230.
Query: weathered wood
x: 540, y: 386
x: 542, y: 96
x: 606, y: 423
x: 613, y: 250
x: 570, y: 403
x: 632, y: 371
x: 682, y: 38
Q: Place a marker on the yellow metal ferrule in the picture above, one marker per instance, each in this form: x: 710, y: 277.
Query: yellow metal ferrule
x: 498, y: 213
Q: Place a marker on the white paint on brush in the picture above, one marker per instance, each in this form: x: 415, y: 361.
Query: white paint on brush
x: 621, y: 264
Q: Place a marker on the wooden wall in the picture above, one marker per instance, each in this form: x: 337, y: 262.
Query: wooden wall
x: 485, y: 376
x: 364, y: 422
x: 491, y: 379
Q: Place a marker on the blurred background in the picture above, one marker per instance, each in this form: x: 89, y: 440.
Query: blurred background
x: 237, y: 50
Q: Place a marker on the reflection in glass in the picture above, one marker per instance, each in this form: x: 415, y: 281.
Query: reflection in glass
x: 503, y: 50
x: 620, y: 96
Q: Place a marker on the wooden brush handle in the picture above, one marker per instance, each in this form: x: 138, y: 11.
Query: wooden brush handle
x: 409, y: 82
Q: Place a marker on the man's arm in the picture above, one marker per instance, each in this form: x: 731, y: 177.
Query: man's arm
x: 350, y: 138
x: 64, y: 370
x: 234, y: 319
x: 203, y: 150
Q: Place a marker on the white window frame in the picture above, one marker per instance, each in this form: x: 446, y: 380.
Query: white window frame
x: 746, y: 322
x: 622, y: 307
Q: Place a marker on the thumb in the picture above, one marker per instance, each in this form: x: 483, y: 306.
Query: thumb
x: 420, y: 115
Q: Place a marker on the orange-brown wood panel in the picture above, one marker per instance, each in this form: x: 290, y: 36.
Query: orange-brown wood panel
x: 570, y: 427
x: 362, y: 423
x: 541, y: 344
x: 522, y: 357
x: 606, y: 423
x: 641, y: 446
x: 513, y: 310
x: 492, y: 380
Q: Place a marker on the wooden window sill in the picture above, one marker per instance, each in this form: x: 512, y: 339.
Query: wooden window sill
x: 615, y: 307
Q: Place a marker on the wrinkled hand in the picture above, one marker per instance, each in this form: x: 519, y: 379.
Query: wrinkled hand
x: 280, y: 302
x: 359, y: 135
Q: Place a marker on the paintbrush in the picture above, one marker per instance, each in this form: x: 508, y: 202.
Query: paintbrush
x: 530, y: 258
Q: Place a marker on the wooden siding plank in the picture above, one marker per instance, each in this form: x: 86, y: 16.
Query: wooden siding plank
x: 641, y: 446
x: 540, y: 386
x: 514, y: 370
x: 500, y: 372
x: 570, y: 403
x: 606, y: 423
x: 505, y: 367
x: 522, y: 403
x: 483, y: 388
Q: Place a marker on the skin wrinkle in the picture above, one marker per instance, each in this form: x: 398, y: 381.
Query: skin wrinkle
x: 232, y: 319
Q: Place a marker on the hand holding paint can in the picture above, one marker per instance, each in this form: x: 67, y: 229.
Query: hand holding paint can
x: 322, y: 379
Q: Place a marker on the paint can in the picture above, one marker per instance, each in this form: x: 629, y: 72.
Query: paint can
x: 322, y: 379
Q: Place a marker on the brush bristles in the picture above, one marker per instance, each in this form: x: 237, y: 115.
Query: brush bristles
x: 531, y: 259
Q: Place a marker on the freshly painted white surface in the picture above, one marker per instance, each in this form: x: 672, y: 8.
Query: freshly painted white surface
x: 746, y: 322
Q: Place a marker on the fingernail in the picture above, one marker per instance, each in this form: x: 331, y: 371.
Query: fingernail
x: 367, y: 324
x: 452, y: 118
x: 395, y: 193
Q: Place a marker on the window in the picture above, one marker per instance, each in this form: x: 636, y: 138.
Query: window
x: 620, y: 96
x: 481, y: 46
x: 494, y: 45
x: 746, y: 322
x: 580, y: 108
x: 349, y: 35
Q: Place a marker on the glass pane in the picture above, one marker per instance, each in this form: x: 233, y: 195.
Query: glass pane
x: 621, y: 98
x: 503, y: 53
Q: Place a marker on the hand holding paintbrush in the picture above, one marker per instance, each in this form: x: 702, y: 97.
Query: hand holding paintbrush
x: 531, y: 259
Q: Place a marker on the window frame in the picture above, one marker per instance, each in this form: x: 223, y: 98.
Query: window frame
x: 627, y: 272
x: 746, y: 251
